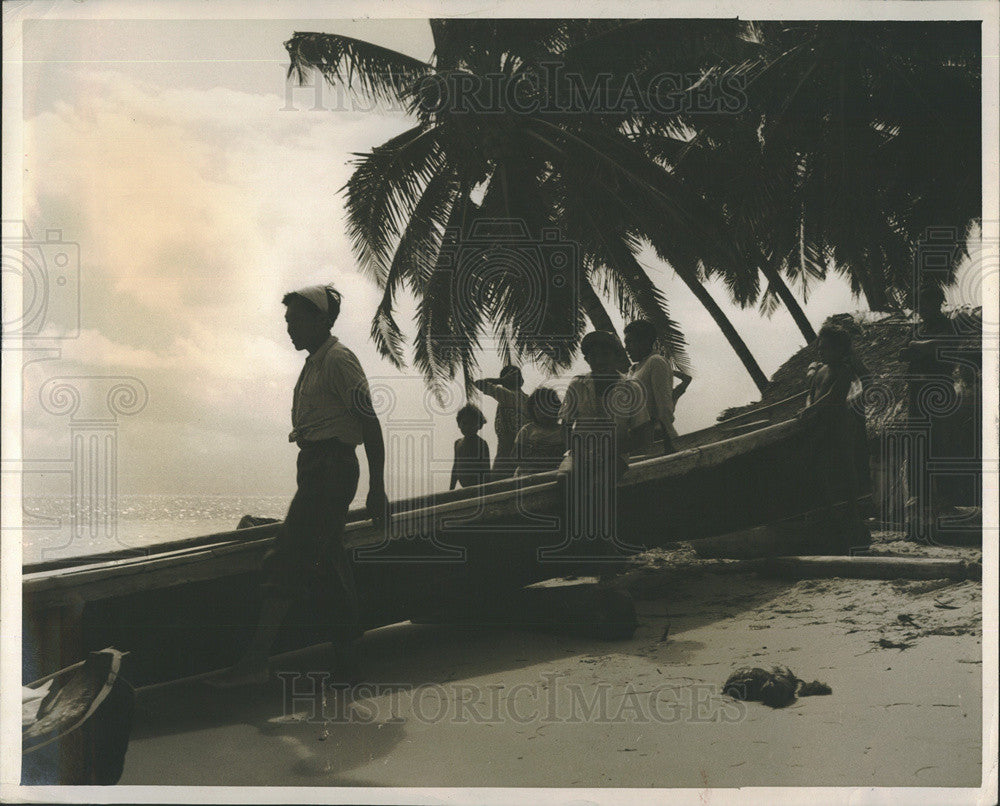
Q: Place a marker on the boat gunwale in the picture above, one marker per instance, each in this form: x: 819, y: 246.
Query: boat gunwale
x: 359, y: 514
x: 43, y: 584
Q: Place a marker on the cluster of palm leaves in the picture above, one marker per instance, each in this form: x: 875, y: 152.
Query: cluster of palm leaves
x: 546, y: 155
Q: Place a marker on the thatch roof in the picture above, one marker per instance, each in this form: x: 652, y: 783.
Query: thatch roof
x: 877, y: 342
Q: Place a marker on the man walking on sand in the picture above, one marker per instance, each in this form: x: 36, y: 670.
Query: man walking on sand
x: 331, y: 414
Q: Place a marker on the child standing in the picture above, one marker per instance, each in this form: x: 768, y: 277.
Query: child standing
x: 472, y: 455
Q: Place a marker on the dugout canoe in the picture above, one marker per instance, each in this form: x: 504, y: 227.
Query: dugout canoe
x: 189, y: 606
x: 75, y: 723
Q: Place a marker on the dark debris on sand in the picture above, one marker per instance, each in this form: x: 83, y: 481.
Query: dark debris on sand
x: 776, y: 688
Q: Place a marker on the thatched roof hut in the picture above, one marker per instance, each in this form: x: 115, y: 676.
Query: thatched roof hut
x: 877, y: 340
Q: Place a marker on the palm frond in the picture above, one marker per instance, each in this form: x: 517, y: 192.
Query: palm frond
x: 649, y: 299
x: 415, y: 256
x: 526, y: 284
x: 382, y: 74
x: 448, y: 324
x: 382, y: 193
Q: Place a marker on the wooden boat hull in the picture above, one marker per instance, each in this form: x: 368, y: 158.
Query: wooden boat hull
x: 80, y: 730
x: 192, y: 609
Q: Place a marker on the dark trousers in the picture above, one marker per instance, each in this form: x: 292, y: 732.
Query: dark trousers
x: 308, y: 560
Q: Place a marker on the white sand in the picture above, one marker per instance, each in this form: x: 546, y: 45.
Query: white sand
x: 896, y: 717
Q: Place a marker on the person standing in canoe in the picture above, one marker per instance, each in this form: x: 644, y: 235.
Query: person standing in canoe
x: 331, y: 415
x: 606, y: 401
x: 607, y: 419
x: 656, y: 374
x: 511, y: 415
x: 471, y: 466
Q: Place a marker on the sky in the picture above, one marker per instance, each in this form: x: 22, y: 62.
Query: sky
x: 198, y: 188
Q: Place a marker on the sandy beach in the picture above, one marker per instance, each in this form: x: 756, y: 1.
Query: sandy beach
x: 479, y: 706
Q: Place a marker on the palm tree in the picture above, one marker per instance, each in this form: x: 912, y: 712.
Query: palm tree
x: 566, y: 172
x: 870, y: 133
x: 725, y: 159
x: 709, y: 151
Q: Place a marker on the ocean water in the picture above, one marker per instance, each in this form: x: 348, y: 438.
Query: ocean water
x: 51, y: 529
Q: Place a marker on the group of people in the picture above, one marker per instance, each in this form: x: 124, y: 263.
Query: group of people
x: 332, y: 414
x: 625, y: 412
x: 636, y: 408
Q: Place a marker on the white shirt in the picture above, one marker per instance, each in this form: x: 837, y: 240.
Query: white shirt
x: 656, y: 375
x: 331, y: 383
x: 626, y: 404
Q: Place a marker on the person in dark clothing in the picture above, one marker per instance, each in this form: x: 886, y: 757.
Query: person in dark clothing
x: 838, y: 431
x: 331, y: 414
x: 471, y: 466
x: 511, y: 415
x: 542, y: 442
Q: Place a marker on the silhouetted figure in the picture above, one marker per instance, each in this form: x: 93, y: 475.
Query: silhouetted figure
x: 471, y: 466
x: 607, y: 415
x: 331, y: 415
x: 656, y: 374
x: 511, y: 414
x: 838, y: 432
x: 542, y: 442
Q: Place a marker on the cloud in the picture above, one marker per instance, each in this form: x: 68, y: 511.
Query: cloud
x: 195, y: 210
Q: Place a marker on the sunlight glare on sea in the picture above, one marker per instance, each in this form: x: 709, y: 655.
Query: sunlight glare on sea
x: 51, y: 531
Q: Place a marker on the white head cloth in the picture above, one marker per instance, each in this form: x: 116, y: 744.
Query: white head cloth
x: 318, y: 295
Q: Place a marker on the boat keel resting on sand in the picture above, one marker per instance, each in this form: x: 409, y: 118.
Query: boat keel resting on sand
x: 189, y: 606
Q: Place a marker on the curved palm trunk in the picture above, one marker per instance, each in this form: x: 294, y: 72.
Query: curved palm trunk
x: 594, y: 308
x: 599, y: 318
x: 719, y: 317
x: 791, y: 304
x: 875, y: 294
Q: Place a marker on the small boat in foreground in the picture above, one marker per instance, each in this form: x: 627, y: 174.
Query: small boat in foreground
x: 75, y: 723
x: 189, y: 606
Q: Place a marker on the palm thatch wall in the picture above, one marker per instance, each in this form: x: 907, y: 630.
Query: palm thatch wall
x: 878, y: 341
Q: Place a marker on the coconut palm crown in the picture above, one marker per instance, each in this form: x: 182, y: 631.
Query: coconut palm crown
x: 502, y: 207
